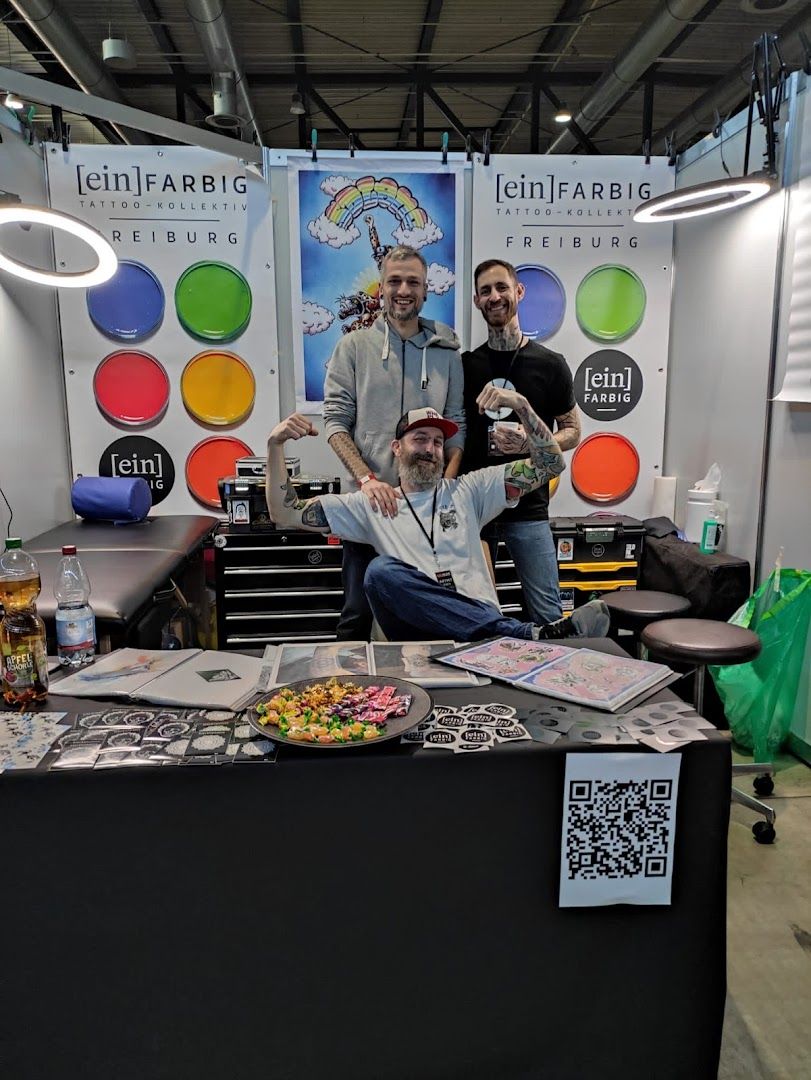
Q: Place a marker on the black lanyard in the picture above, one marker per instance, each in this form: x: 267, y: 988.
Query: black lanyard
x: 509, y: 366
x: 429, y: 538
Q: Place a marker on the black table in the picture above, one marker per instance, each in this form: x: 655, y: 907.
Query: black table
x: 342, y: 915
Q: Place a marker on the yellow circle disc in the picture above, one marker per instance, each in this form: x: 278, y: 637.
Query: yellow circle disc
x: 218, y: 388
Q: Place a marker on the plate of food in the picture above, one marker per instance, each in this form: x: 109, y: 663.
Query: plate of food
x: 340, y: 712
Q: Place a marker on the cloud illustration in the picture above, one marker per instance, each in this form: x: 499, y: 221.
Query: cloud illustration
x: 333, y: 184
x: 440, y: 279
x: 429, y: 233
x: 315, y: 318
x: 327, y: 232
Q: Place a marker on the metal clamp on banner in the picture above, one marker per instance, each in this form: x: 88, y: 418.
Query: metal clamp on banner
x: 486, y: 146
x: 444, y: 148
x: 646, y: 150
x: 314, y: 143
x: 351, y: 144
x: 670, y: 148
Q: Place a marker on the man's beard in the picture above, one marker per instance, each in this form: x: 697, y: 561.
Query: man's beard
x: 420, y: 472
x: 500, y: 318
x: 403, y: 314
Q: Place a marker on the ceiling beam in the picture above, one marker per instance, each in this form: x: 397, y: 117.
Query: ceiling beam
x: 452, y: 118
x: 554, y: 41
x: 429, y: 24
x: 45, y: 58
x: 403, y: 77
x: 47, y: 93
x: 304, y: 120
x: 332, y: 115
x: 166, y: 44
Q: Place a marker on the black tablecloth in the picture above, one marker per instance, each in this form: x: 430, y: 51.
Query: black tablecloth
x: 372, y: 913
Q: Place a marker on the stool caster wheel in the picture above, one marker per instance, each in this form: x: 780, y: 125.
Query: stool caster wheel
x: 763, y: 832
x: 763, y: 785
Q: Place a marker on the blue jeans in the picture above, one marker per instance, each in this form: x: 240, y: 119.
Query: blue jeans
x: 410, y: 606
x: 532, y: 549
x: 355, y: 623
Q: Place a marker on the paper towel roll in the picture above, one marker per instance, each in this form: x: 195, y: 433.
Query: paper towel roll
x: 664, y: 497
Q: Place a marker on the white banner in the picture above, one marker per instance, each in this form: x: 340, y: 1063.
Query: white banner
x: 344, y: 215
x: 598, y: 292
x: 170, y: 368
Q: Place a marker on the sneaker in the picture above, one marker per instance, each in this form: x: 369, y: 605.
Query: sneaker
x: 590, y: 620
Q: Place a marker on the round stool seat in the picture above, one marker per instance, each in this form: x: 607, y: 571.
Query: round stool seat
x: 701, y: 641
x: 633, y: 609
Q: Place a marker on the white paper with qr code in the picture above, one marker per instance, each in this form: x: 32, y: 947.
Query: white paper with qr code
x: 619, y: 827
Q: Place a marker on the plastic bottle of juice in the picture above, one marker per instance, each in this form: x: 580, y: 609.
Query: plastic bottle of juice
x: 22, y: 631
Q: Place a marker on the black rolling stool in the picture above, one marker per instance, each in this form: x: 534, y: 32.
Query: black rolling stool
x: 706, y: 641
x: 634, y: 609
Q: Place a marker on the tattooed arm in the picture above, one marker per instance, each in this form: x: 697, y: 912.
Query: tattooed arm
x: 567, y: 432
x: 545, y: 459
x: 285, y: 507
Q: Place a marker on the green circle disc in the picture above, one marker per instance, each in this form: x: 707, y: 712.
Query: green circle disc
x: 610, y: 303
x: 213, y: 301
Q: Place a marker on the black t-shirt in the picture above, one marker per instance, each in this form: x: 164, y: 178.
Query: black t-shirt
x: 544, y: 378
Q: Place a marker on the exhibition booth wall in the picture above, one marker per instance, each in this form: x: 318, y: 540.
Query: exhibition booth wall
x: 722, y: 356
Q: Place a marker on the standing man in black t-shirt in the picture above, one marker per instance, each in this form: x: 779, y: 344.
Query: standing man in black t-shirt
x: 511, y: 360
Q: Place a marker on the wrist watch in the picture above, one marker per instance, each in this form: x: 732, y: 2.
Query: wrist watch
x: 364, y: 479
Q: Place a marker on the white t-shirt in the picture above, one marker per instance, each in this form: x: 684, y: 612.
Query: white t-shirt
x: 463, y: 507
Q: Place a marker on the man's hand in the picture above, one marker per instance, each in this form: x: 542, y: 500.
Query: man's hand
x: 295, y: 426
x: 510, y: 440
x: 382, y: 496
x: 495, y: 398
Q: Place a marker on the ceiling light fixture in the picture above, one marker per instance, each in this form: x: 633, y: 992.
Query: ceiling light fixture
x: 106, y: 258
x: 710, y: 198
x: 562, y: 115
x: 11, y: 101
x: 297, y: 105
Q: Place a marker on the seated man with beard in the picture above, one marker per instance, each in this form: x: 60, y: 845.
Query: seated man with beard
x: 430, y: 579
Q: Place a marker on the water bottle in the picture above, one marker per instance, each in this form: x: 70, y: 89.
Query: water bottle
x: 75, y: 621
x: 22, y: 631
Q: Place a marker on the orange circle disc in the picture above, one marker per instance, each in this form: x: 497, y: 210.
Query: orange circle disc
x: 208, y: 462
x: 605, y: 468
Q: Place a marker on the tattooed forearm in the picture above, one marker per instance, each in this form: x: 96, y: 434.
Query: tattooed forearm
x: 544, y: 453
x: 348, y: 454
x: 567, y: 435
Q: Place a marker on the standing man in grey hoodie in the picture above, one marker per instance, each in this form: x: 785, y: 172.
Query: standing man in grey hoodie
x: 374, y: 376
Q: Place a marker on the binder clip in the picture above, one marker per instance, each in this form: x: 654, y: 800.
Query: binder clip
x: 486, y: 144
x: 646, y: 150
x: 469, y: 147
x: 351, y: 144
x: 670, y: 148
x: 444, y: 148
x: 314, y: 143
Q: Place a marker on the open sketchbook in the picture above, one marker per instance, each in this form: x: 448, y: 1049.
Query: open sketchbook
x: 194, y: 678
x: 599, y: 680
x: 411, y: 660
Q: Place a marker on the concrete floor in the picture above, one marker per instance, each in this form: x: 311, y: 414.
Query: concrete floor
x: 767, y: 1029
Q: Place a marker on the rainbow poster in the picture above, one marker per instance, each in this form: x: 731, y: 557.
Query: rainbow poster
x: 170, y: 366
x: 348, y: 215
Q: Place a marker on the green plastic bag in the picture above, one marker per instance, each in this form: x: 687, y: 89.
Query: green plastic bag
x: 761, y: 698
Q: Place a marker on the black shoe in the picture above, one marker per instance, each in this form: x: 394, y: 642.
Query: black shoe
x: 590, y: 620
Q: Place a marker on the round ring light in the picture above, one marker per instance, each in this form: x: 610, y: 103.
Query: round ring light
x: 705, y: 198
x: 37, y: 215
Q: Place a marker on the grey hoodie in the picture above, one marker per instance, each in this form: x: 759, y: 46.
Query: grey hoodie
x: 374, y: 376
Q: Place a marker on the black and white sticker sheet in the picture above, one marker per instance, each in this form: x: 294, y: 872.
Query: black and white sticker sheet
x: 468, y: 728
x: 123, y: 738
x: 26, y: 738
x: 662, y: 726
x: 619, y: 824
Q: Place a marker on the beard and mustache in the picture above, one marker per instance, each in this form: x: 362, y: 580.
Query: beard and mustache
x: 420, y: 471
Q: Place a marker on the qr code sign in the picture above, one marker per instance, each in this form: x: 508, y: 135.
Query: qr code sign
x: 618, y: 829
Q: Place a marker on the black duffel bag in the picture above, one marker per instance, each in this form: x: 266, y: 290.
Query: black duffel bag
x: 716, y: 585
